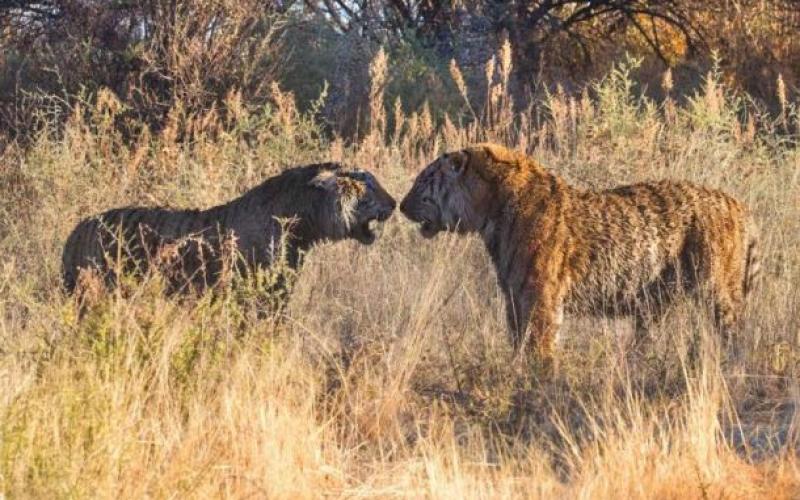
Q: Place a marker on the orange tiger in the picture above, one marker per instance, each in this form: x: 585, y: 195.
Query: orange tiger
x: 617, y: 252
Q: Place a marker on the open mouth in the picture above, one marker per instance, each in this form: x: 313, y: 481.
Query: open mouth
x: 369, y: 231
x: 427, y: 228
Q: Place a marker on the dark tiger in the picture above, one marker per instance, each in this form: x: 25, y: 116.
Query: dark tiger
x: 283, y: 217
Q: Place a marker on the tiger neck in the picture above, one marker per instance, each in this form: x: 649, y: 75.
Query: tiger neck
x: 508, y: 225
x: 305, y: 222
x: 497, y: 233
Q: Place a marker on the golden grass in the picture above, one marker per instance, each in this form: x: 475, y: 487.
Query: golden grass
x: 390, y: 375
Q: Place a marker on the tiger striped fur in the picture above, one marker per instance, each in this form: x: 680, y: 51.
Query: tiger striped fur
x: 321, y: 202
x: 617, y: 252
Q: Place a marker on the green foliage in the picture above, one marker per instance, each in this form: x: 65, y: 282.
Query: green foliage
x: 418, y: 74
x: 313, y: 59
x: 714, y: 109
x: 620, y: 105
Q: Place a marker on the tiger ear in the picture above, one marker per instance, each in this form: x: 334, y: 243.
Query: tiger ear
x: 459, y: 161
x: 326, y: 179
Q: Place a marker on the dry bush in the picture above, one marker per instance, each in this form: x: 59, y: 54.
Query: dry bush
x: 390, y: 376
x: 156, y: 57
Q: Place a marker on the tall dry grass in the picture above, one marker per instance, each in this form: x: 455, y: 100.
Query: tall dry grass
x: 390, y: 374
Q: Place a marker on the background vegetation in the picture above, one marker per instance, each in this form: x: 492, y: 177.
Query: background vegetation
x: 389, y: 374
x: 164, y: 60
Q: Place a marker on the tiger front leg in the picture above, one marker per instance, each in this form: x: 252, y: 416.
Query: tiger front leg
x: 517, y: 314
x: 544, y: 314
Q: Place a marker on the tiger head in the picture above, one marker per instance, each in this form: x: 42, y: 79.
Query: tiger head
x: 361, y: 204
x: 450, y: 194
